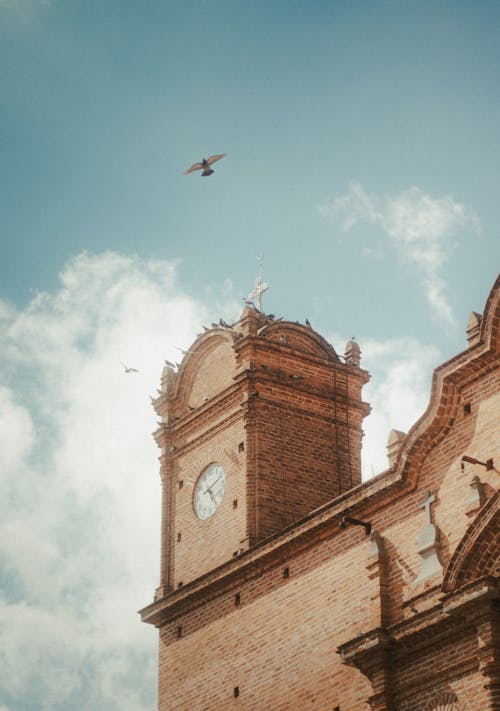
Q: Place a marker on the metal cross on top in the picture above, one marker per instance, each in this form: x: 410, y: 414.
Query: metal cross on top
x: 256, y: 294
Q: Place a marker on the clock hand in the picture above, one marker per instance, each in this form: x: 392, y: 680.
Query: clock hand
x: 212, y: 497
x: 209, y: 488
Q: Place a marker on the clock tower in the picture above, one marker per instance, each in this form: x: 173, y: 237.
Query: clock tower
x: 260, y: 425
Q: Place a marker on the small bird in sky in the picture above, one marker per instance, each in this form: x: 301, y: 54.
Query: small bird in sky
x: 127, y: 369
x: 205, y: 165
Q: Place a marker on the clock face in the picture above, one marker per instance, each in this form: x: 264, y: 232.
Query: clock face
x: 209, y: 491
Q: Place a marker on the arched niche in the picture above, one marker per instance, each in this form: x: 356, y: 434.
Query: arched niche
x: 478, y: 553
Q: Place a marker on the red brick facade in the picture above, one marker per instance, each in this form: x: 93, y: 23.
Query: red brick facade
x: 307, y: 589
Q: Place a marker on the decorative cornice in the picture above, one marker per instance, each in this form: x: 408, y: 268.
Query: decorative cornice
x: 478, y: 591
x: 364, y: 646
x: 254, y: 562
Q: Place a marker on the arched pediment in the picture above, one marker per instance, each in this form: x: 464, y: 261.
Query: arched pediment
x: 478, y: 553
x: 207, y: 369
x: 300, y: 338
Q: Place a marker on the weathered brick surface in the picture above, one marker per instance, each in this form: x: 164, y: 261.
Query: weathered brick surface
x: 311, y: 614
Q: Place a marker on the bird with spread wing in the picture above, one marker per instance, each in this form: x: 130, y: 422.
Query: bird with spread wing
x: 128, y: 369
x: 205, y: 165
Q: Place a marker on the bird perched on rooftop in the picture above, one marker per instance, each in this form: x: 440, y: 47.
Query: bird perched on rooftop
x: 205, y: 165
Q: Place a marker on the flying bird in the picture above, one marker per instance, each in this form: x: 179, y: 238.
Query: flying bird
x: 205, y: 165
x: 127, y: 369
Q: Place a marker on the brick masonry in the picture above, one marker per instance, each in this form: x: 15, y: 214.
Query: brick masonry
x: 280, y: 600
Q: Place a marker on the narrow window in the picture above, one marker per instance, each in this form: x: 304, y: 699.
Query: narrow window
x: 181, y: 484
x: 236, y: 691
x: 241, y: 447
x: 235, y: 503
x: 179, y: 536
x: 237, y: 599
x: 467, y: 408
x: 179, y: 631
x: 286, y: 572
x: 180, y: 584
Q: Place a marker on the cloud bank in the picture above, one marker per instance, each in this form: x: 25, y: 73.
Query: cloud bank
x: 79, y: 512
x: 420, y: 228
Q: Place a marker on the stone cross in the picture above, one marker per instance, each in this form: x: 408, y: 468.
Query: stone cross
x: 256, y: 294
x: 427, y: 506
x: 428, y: 546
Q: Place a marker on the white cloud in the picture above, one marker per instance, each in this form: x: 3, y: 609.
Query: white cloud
x: 79, y: 512
x: 16, y: 433
x: 420, y: 225
x: 420, y: 228
x: 398, y: 392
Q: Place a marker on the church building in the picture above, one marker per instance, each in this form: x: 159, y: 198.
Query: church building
x: 288, y: 583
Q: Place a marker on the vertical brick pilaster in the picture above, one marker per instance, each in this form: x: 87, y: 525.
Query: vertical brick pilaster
x: 487, y: 622
x: 167, y: 549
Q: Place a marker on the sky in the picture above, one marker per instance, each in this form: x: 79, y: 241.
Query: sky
x: 363, y: 158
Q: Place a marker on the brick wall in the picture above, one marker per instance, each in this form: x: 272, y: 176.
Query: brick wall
x: 278, y: 642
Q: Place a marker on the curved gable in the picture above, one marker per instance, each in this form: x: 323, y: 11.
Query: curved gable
x: 435, y: 423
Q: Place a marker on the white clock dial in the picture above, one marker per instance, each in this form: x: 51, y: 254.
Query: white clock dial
x: 209, y: 491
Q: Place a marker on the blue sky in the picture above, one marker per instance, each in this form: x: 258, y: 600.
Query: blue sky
x: 363, y: 160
